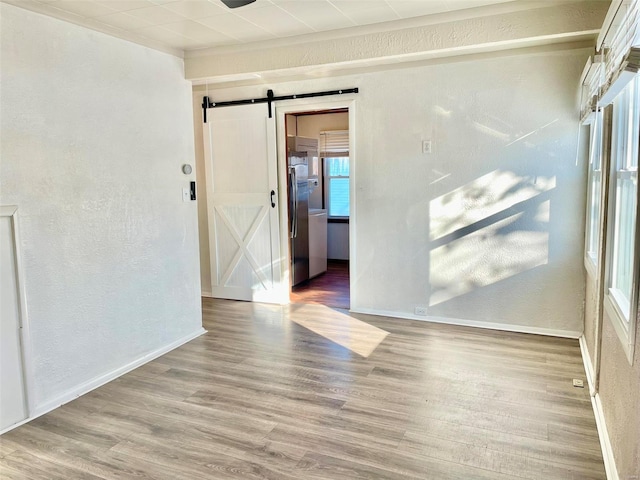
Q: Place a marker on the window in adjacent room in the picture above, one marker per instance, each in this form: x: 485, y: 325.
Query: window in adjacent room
x: 334, y: 149
x: 337, y: 186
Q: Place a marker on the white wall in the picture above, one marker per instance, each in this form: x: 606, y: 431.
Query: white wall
x: 488, y: 228
x: 93, y: 133
x: 338, y: 241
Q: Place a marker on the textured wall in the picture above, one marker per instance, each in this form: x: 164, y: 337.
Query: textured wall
x: 620, y: 395
x: 489, y: 227
x: 93, y: 133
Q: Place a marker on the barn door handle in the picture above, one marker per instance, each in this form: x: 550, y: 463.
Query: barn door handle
x: 273, y: 204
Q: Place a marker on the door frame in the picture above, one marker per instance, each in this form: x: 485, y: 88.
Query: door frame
x: 309, y: 105
x: 11, y: 211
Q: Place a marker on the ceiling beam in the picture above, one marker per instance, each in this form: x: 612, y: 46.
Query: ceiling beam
x: 559, y: 23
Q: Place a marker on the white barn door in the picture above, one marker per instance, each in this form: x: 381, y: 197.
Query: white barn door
x: 241, y: 168
x: 13, y: 398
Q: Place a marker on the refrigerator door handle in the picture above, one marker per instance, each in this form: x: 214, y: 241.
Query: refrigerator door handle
x: 291, y: 201
x: 295, y: 204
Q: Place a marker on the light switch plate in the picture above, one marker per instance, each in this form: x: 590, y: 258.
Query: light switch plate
x: 186, y: 195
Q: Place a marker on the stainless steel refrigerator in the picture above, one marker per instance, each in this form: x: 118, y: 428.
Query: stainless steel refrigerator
x: 298, y: 189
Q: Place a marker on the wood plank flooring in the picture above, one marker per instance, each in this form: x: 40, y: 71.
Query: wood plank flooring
x: 262, y: 397
x: 330, y: 289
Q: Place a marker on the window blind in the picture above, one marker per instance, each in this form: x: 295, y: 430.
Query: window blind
x: 590, y: 83
x: 621, y: 33
x: 334, y: 142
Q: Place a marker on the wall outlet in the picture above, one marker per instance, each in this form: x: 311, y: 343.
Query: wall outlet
x: 421, y: 311
x: 426, y: 146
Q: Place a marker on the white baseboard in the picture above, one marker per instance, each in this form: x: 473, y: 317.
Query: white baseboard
x: 86, y: 387
x: 206, y: 294
x: 473, y: 323
x: 588, y: 364
x: 605, y: 443
x: 603, y: 434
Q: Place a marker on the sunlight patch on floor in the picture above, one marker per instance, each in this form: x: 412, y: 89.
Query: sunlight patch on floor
x: 348, y: 332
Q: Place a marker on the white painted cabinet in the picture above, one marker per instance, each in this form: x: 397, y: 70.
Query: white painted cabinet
x: 317, y: 242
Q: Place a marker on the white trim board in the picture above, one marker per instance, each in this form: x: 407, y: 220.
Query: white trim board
x: 551, y: 332
x: 603, y: 434
x: 588, y: 364
x: 605, y: 444
x: 101, y: 380
x: 624, y: 328
x: 314, y: 104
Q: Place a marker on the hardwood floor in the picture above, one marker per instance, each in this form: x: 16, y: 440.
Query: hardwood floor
x: 261, y: 396
x: 330, y: 289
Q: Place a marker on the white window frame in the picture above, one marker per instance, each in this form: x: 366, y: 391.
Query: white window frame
x: 327, y: 185
x: 594, y: 205
x: 621, y: 310
x: 335, y: 144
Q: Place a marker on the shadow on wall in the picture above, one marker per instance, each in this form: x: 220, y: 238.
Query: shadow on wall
x: 486, y: 231
x: 495, y: 226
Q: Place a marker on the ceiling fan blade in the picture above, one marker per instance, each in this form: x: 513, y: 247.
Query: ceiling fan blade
x: 237, y: 3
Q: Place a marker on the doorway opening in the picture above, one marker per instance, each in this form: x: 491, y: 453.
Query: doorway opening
x: 319, y: 203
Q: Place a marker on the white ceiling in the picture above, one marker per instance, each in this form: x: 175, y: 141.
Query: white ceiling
x: 194, y: 24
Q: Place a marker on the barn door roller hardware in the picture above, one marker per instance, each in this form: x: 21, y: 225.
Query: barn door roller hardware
x: 269, y: 99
